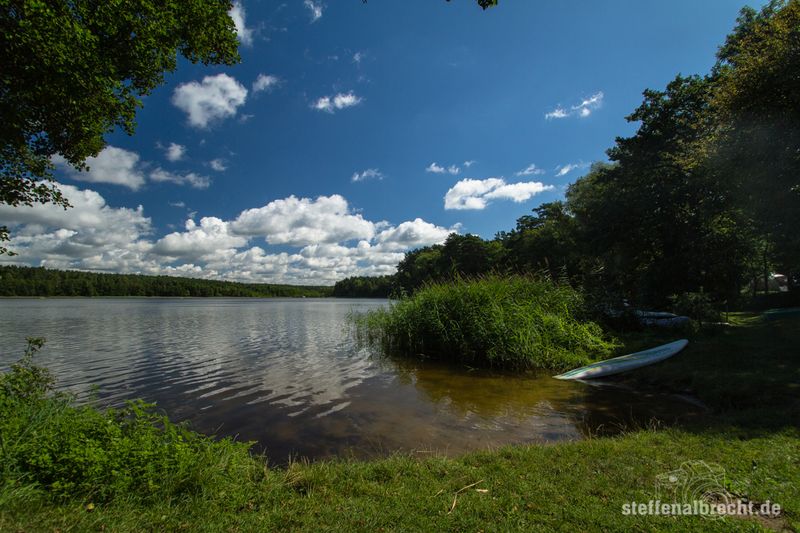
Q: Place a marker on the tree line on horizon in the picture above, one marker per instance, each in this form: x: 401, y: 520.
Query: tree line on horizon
x: 39, y: 281
x: 703, y: 198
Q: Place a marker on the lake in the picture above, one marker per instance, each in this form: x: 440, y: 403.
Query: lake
x: 286, y: 374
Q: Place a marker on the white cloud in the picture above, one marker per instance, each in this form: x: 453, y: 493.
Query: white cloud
x: 330, y: 241
x: 330, y: 104
x: 589, y: 104
x: 112, y: 165
x: 218, y: 165
x: 563, y: 170
x: 370, y: 173
x: 215, y: 98
x: 530, y: 170
x: 210, y: 240
x: 477, y: 194
x: 302, y: 221
x: 315, y: 9
x: 174, y: 152
x: 558, y: 112
x: 264, y: 82
x: 190, y: 178
x: 358, y: 57
x: 582, y: 110
x: 469, y: 163
x: 88, y: 234
x: 245, y: 34
x: 436, y: 169
x: 413, y: 234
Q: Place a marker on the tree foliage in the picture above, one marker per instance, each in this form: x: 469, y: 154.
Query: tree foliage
x: 26, y: 281
x: 73, y: 71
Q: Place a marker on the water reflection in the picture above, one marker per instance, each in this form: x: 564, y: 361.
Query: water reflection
x: 286, y: 374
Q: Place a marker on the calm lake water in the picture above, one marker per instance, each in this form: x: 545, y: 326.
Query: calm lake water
x: 286, y: 373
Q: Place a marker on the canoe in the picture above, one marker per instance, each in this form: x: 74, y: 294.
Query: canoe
x: 624, y: 363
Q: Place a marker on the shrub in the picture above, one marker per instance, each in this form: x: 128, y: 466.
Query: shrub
x: 509, y: 322
x: 695, y: 305
x: 63, y: 450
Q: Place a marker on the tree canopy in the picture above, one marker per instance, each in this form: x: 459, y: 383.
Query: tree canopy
x: 72, y: 71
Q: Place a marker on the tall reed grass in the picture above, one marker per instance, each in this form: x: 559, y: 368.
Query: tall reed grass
x: 519, y: 322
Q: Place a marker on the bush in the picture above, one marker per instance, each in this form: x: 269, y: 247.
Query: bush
x: 64, y: 450
x: 695, y: 305
x: 508, y: 322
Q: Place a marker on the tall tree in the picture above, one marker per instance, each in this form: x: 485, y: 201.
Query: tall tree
x: 757, y: 99
x: 662, y: 218
x: 73, y: 70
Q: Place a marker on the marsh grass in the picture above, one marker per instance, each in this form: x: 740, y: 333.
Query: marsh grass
x: 517, y: 322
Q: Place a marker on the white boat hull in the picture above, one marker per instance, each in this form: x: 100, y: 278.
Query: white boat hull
x: 625, y: 363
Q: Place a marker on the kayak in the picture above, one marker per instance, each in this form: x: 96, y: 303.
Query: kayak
x: 624, y: 363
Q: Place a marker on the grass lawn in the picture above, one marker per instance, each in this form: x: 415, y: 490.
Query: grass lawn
x: 748, y: 375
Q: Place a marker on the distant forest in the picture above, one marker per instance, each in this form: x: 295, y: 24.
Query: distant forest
x: 28, y: 281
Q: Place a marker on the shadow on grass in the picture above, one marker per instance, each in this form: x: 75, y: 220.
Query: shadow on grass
x: 747, y: 374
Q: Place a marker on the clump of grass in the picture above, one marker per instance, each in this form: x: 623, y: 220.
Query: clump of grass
x: 50, y: 446
x: 518, y: 322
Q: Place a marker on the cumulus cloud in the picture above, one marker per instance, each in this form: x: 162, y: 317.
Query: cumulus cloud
x: 331, y: 104
x: 315, y: 9
x: 530, y: 170
x: 413, y: 234
x: 209, y: 240
x: 436, y: 169
x: 174, y: 152
x: 303, y: 221
x: 264, y: 82
x: 89, y: 234
x: 582, y: 110
x: 477, y: 194
x: 189, y: 178
x: 327, y: 240
x: 245, y: 34
x: 215, y: 98
x: 112, y: 165
x: 369, y: 174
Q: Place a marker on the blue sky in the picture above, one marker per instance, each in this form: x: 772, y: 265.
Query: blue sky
x: 449, y: 117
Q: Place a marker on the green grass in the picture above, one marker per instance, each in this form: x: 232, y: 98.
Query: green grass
x: 747, y: 374
x: 504, y: 322
x: 570, y: 487
x: 752, y: 363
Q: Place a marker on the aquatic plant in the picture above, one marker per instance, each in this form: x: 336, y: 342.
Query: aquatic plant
x: 508, y: 322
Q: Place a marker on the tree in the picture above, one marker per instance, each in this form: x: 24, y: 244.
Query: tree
x: 72, y: 71
x: 662, y: 218
x: 757, y: 100
x: 545, y: 241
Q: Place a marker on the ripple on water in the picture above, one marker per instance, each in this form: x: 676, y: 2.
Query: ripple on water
x: 285, y: 373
